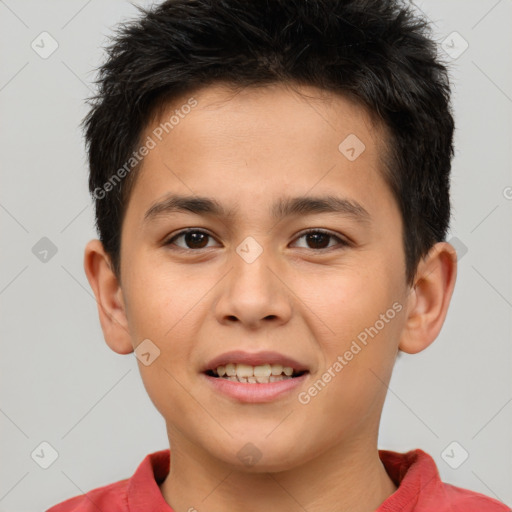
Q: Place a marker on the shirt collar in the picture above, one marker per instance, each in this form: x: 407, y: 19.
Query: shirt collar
x: 412, y: 472
x: 416, y: 476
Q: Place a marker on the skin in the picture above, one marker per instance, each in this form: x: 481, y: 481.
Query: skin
x: 246, y: 150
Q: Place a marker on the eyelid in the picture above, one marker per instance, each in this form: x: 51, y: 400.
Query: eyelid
x: 168, y: 240
x: 342, y: 241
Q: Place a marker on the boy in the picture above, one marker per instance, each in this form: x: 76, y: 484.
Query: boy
x: 257, y: 130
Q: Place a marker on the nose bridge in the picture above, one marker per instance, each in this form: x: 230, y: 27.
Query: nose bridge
x: 252, y: 277
x: 251, y: 266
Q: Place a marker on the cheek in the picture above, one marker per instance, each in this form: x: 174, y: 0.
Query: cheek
x: 349, y: 388
x: 165, y: 310
x: 160, y: 300
x: 357, y: 320
x: 345, y: 302
x: 163, y: 307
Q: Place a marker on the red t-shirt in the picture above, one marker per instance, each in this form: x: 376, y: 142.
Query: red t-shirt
x: 414, y: 473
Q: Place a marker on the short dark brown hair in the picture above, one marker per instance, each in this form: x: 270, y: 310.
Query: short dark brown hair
x: 378, y: 52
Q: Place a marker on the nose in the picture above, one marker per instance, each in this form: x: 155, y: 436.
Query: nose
x: 254, y: 292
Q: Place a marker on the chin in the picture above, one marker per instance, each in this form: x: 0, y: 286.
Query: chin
x: 258, y: 453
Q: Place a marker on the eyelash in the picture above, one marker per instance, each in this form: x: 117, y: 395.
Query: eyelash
x: 342, y: 243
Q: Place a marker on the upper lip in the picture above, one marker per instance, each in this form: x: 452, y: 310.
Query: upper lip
x: 253, y: 359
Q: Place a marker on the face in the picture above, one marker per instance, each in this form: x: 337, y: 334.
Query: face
x: 292, y: 257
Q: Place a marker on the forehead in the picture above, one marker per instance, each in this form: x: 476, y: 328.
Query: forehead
x: 267, y: 110
x: 272, y: 139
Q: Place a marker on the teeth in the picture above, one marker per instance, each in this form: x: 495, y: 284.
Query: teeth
x: 244, y: 370
x: 262, y: 374
x: 277, y: 369
x: 263, y: 370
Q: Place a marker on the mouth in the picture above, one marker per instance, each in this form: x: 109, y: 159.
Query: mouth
x: 260, y: 374
x: 254, y: 377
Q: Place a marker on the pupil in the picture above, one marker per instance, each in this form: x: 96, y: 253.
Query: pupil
x: 314, y: 238
x: 194, y: 237
x: 199, y: 240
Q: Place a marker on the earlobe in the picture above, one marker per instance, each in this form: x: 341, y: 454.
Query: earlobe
x: 429, y: 298
x: 109, y: 297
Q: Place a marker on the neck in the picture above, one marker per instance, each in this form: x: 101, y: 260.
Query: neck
x: 346, y: 478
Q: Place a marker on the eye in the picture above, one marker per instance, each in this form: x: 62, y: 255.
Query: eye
x: 198, y: 239
x: 193, y: 239
x: 319, y: 239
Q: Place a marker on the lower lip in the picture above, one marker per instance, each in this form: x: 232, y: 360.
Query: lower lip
x: 255, y: 393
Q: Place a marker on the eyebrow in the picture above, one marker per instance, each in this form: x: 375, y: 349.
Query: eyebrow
x: 284, y: 207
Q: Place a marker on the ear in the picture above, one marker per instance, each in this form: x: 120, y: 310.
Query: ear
x: 109, y: 297
x: 429, y: 298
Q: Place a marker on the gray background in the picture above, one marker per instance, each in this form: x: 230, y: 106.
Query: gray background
x: 60, y: 383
